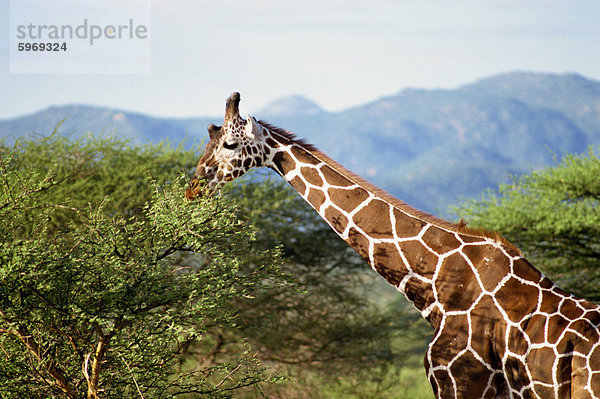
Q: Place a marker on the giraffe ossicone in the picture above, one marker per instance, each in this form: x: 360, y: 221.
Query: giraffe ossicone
x: 502, y: 329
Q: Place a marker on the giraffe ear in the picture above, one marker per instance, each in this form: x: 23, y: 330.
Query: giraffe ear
x: 214, y: 131
x: 253, y: 128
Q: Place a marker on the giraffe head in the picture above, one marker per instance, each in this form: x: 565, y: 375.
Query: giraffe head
x: 232, y: 150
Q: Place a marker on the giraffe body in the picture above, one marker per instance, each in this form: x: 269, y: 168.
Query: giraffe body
x: 502, y: 329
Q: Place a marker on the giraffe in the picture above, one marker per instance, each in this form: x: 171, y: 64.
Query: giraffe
x: 501, y: 328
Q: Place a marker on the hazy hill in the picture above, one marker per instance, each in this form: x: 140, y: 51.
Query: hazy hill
x: 428, y: 147
x: 295, y: 105
x: 572, y: 95
x: 82, y: 119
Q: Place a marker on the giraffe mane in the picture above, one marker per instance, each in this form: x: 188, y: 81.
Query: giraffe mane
x: 460, y: 227
x: 289, y: 136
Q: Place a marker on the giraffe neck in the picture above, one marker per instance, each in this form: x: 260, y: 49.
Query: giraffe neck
x: 400, y: 243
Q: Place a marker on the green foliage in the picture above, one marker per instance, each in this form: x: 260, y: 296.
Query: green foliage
x: 103, y: 298
x: 553, y: 215
x: 92, y: 170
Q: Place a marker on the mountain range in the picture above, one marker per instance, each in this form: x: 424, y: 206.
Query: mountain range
x: 427, y: 147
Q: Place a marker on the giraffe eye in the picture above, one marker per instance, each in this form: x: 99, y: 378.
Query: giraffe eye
x: 230, y: 146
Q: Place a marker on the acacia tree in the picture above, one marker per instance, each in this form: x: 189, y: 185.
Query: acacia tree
x: 553, y: 215
x: 99, y: 303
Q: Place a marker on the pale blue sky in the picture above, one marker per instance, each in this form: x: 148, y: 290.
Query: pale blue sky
x: 338, y: 53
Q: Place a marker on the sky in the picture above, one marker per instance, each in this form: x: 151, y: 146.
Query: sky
x: 337, y: 53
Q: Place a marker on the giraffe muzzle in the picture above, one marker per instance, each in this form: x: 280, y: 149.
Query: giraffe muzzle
x: 195, y: 189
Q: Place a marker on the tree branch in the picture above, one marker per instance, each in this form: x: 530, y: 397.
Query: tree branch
x: 57, y: 374
x: 132, y: 376
x: 94, y: 390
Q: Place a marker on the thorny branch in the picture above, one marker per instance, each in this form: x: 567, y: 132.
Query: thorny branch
x: 60, y: 380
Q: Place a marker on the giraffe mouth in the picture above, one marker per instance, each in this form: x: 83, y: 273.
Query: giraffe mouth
x: 195, y: 189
